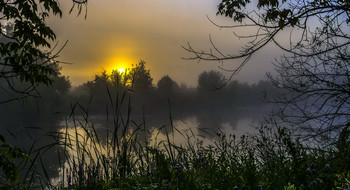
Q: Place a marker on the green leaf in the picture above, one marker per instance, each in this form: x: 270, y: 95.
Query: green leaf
x: 281, y: 24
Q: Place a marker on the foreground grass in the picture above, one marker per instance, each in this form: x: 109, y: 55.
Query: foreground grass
x: 125, y: 159
x: 269, y: 160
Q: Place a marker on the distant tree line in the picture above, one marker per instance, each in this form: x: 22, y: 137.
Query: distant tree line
x: 137, y: 83
x: 135, y: 89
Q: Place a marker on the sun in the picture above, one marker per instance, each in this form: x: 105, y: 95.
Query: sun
x: 118, y: 64
x: 121, y: 70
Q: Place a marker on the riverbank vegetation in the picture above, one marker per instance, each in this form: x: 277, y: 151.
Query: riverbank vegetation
x: 270, y: 159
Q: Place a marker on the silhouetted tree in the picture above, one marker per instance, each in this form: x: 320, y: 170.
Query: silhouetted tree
x: 167, y: 89
x: 62, y: 84
x: 121, y: 80
x: 141, y: 78
x: 316, y: 92
x: 100, y: 83
x: 167, y: 85
x: 210, y: 81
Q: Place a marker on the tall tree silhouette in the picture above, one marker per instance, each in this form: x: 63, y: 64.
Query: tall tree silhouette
x: 167, y: 85
x: 210, y: 81
x: 142, y: 82
x: 121, y: 80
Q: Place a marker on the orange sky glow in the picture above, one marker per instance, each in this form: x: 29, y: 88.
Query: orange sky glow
x: 119, y: 33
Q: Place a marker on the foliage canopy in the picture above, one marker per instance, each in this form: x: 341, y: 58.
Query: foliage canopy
x: 25, y: 44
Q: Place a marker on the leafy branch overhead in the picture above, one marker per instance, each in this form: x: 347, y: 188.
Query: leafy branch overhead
x: 285, y: 13
x: 22, y: 54
x: 25, y: 44
x: 262, y: 21
x: 313, y: 70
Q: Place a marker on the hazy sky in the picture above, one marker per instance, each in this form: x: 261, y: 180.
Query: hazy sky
x: 119, y: 33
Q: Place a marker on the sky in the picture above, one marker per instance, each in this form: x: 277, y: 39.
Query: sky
x: 120, y: 33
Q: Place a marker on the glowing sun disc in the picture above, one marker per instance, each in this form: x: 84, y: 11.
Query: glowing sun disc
x: 121, y: 70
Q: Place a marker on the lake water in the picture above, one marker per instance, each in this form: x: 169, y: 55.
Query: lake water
x: 36, y: 130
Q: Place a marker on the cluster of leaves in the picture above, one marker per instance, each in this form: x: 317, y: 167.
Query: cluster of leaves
x: 26, y: 53
x: 283, y: 13
x: 9, y: 156
x: 23, y: 55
